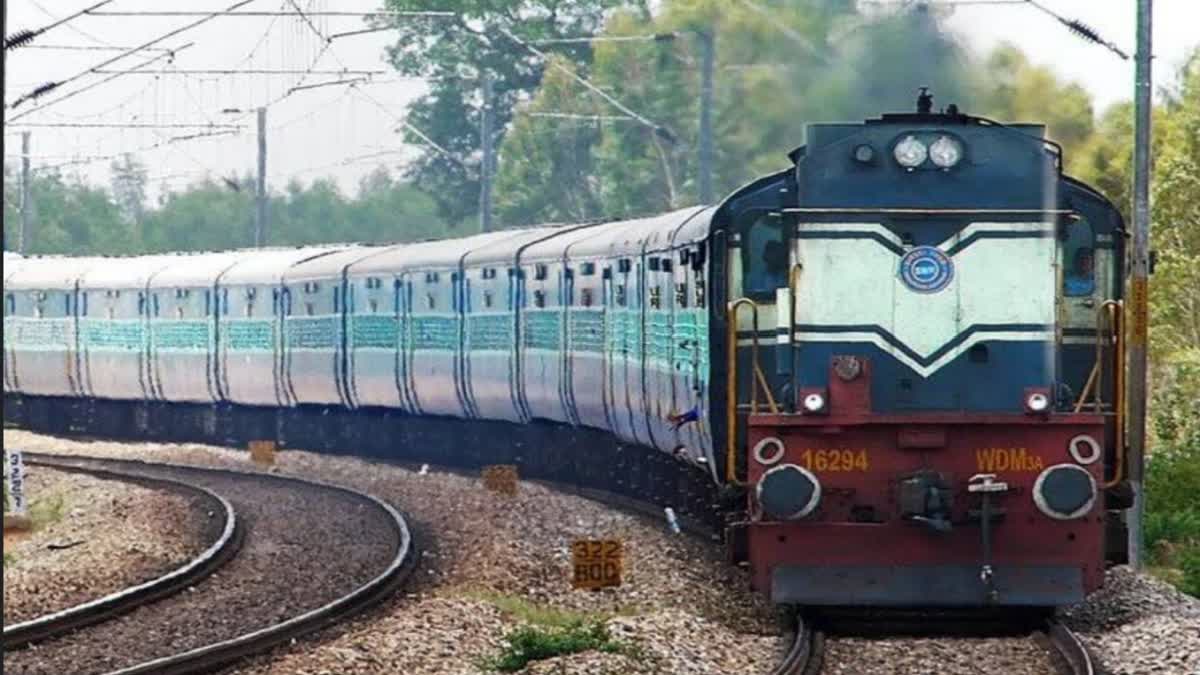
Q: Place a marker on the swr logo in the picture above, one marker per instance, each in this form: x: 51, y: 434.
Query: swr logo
x: 991, y: 460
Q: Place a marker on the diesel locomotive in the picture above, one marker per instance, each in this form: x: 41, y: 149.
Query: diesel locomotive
x: 889, y: 374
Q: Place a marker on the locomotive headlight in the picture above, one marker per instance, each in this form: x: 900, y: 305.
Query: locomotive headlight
x: 1037, y: 402
x: 1064, y: 491
x: 910, y: 152
x: 945, y: 152
x: 814, y: 402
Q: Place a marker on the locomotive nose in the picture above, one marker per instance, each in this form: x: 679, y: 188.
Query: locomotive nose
x: 788, y: 491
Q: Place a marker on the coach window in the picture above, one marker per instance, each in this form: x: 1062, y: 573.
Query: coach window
x: 1079, y: 260
x: 764, y: 258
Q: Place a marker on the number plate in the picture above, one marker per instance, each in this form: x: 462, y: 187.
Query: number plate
x: 596, y: 563
x: 835, y: 459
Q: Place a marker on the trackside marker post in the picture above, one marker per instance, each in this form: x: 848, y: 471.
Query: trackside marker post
x: 15, y: 504
x: 262, y: 452
x: 596, y: 563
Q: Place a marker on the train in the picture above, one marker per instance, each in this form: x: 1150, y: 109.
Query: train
x: 888, y: 375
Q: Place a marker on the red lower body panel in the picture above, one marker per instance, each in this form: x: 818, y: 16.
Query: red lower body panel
x: 896, y: 522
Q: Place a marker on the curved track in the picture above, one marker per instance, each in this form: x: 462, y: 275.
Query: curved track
x: 20, y: 635
x: 260, y: 599
x: 1073, y: 658
x: 806, y: 653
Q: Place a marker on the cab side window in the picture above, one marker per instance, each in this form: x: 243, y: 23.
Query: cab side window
x: 1079, y: 260
x: 764, y: 258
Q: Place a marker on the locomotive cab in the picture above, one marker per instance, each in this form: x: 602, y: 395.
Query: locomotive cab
x: 923, y: 401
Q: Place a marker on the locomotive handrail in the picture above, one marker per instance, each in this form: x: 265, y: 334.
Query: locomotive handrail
x: 1110, y: 315
x: 731, y: 385
x: 1115, y: 311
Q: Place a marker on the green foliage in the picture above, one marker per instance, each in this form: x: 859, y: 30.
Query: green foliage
x: 1172, y: 523
x: 1189, y: 566
x: 453, y: 52
x: 73, y: 218
x: 532, y: 643
x: 47, y: 510
x: 543, y: 615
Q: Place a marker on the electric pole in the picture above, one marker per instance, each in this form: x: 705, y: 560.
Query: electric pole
x: 260, y: 187
x: 705, y: 160
x: 485, y: 168
x: 26, y: 197
x: 1138, y: 283
x: 3, y: 87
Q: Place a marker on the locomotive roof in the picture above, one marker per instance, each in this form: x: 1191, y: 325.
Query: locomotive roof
x: 267, y: 267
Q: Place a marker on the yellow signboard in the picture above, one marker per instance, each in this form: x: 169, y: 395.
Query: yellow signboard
x: 262, y: 452
x: 596, y: 563
x: 501, y: 478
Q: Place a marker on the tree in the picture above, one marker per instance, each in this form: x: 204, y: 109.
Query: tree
x: 208, y: 216
x: 540, y: 181
x: 129, y: 188
x: 1012, y: 89
x: 455, y: 53
x: 780, y: 65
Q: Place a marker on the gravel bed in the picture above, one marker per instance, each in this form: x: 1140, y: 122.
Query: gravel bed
x: 942, y: 655
x: 302, y: 548
x: 485, y: 557
x: 1138, y: 624
x: 95, y: 536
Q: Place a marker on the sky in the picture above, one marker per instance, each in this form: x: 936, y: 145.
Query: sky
x: 345, y: 132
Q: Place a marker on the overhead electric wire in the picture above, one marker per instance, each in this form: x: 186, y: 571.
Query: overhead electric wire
x: 580, y: 116
x: 417, y: 132
x: 1081, y: 29
x: 791, y: 33
x: 229, y: 12
x: 71, y: 27
x: 244, y: 71
x: 93, y: 85
x: 124, y: 125
x: 649, y: 37
x: 92, y: 159
x: 23, y: 37
x: 90, y: 48
x: 656, y: 127
x: 53, y: 85
x: 317, y: 85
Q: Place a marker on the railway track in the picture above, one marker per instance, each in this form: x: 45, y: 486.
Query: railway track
x: 1016, y: 642
x: 208, y: 561
x: 806, y: 653
x: 311, y: 555
x: 1072, y: 657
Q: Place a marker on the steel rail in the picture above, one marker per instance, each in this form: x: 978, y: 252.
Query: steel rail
x: 805, y: 655
x: 1071, y: 650
x: 55, y: 624
x: 215, y: 655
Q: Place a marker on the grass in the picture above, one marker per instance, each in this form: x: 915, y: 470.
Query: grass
x: 542, y: 615
x: 546, y: 632
x: 1172, y: 525
x: 47, y: 510
x: 533, y: 643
